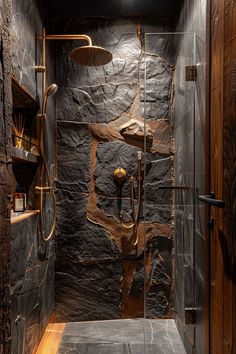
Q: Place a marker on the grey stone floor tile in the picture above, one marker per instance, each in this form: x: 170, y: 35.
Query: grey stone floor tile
x: 122, y: 337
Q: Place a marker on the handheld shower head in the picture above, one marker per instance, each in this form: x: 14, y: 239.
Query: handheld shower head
x: 51, y: 90
x: 90, y: 55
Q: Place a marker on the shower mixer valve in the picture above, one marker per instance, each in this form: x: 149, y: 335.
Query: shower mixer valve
x: 120, y: 174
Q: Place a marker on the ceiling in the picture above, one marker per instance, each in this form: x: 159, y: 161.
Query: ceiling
x: 90, y: 8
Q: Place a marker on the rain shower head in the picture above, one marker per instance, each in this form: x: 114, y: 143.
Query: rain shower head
x: 90, y: 55
x: 51, y: 90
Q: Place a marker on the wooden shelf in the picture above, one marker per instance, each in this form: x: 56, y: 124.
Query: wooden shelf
x: 21, y: 216
x: 22, y: 155
x: 22, y: 100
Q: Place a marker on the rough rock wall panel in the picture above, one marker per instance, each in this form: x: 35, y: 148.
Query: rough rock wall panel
x: 6, y: 179
x: 100, y: 127
x: 32, y: 262
x: 32, y: 282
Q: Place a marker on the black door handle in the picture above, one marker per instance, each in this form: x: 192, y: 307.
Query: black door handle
x: 210, y: 199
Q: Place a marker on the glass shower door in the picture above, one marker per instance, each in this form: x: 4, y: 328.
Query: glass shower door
x: 168, y: 107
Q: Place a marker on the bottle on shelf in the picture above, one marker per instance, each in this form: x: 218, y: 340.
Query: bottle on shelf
x: 19, y: 200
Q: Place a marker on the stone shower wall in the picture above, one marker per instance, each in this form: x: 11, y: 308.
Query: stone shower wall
x: 100, y: 126
x: 32, y: 261
x: 6, y: 178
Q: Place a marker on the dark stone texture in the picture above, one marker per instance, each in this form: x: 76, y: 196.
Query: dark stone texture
x: 159, y: 301
x: 6, y: 176
x: 158, y: 172
x: 73, y: 154
x: 116, y: 35
x: 25, y: 317
x: 32, y: 283
x: 138, y: 281
x: 94, y: 291
x: 124, y: 336
x: 158, y: 213
x: 115, y: 206
x: 96, y: 104
x: 162, y: 44
x: 159, y: 297
x: 155, y: 87
x: 32, y: 261
x: 26, y: 21
x: 110, y: 156
x: 89, y: 243
x: 162, y: 255
x: 105, y: 132
x: 71, y: 209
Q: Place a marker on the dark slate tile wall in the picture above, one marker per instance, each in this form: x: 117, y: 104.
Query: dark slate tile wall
x: 6, y: 177
x: 190, y: 158
x: 32, y: 272
x: 100, y: 126
x: 32, y: 283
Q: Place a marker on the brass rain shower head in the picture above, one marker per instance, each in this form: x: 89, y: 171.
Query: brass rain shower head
x: 90, y: 55
x: 85, y: 55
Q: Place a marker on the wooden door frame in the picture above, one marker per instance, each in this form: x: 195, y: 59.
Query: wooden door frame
x: 221, y: 134
x: 207, y: 172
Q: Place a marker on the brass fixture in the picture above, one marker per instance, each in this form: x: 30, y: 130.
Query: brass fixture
x: 90, y: 56
x: 40, y: 69
x: 45, y: 173
x: 139, y: 32
x: 86, y: 55
x: 120, y: 175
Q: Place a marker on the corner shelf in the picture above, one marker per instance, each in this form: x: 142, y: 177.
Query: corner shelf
x: 21, y: 155
x: 18, y: 217
x: 25, y: 146
x: 22, y: 99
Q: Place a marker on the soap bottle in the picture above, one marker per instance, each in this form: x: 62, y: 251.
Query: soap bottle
x: 18, y: 200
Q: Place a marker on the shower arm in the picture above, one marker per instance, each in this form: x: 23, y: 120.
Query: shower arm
x: 66, y: 37
x: 51, y: 37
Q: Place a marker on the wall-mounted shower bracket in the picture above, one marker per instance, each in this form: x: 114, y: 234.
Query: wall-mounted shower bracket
x: 40, y: 116
x: 39, y: 189
x: 191, y: 73
x: 190, y: 315
x: 40, y: 69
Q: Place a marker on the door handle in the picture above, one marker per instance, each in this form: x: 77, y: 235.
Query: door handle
x: 210, y: 199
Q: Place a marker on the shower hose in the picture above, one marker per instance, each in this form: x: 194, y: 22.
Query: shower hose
x: 45, y: 189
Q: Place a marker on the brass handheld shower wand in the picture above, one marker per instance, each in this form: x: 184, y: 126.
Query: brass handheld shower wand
x: 45, y: 173
x: 120, y: 175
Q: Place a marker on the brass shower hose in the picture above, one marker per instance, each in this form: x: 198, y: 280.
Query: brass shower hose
x: 46, y: 189
x: 135, y: 215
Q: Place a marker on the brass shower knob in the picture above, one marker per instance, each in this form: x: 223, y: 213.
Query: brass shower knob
x: 119, y: 174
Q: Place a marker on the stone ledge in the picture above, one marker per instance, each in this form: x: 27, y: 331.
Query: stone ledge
x: 21, y: 216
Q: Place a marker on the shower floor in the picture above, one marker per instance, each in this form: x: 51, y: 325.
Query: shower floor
x: 121, y: 337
